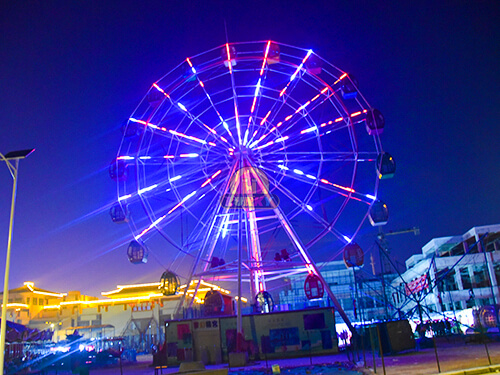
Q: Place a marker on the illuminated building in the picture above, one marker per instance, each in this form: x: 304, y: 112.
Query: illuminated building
x: 451, y: 274
x: 136, y: 312
x: 27, y: 301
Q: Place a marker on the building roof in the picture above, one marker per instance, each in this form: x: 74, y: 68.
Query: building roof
x: 146, y: 289
x: 29, y: 287
x: 133, y: 289
x: 440, y: 244
x: 444, y: 244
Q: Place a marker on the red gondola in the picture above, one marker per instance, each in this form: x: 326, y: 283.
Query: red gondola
x: 213, y: 302
x: 313, y: 287
x: 353, y: 255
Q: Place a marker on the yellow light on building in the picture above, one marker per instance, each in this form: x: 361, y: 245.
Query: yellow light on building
x: 31, y: 285
x: 19, y: 305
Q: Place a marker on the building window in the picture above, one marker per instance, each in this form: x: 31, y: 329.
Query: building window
x: 472, y: 245
x: 449, y: 282
x: 465, y: 276
x: 493, y: 245
x: 28, y: 300
x: 497, y: 273
x: 40, y: 301
x: 35, y: 301
x: 481, y: 279
x: 457, y: 250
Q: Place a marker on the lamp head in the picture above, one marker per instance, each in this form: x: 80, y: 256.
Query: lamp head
x: 21, y: 154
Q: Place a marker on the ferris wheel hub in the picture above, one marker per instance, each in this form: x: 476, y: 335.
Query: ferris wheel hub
x: 242, y: 152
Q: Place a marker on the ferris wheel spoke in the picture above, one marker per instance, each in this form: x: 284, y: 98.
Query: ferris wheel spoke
x: 306, y: 109
x: 229, y: 64
x: 270, y: 118
x: 212, y: 104
x: 205, y: 221
x: 259, y: 87
x: 186, y: 178
x: 219, y: 194
x: 286, y: 144
x: 177, y: 136
x: 168, y: 217
x: 283, y: 157
x: 297, y: 137
x: 344, y: 120
x: 290, y: 232
x: 308, y: 209
x: 301, y: 112
x: 194, y: 119
x: 311, y: 131
x: 296, y: 73
x: 182, y: 159
x: 311, y: 180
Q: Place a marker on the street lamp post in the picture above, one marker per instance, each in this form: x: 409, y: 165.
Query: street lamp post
x: 14, y: 156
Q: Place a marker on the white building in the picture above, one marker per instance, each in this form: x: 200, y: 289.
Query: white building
x: 452, y: 273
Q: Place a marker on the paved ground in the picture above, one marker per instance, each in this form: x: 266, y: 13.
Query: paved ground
x: 452, y: 356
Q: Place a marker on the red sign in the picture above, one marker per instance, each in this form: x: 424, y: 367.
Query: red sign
x: 417, y: 285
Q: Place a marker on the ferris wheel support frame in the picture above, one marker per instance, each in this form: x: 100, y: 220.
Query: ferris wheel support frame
x: 304, y: 254
x: 211, y: 248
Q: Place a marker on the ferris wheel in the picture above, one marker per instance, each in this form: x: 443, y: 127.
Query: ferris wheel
x: 250, y: 159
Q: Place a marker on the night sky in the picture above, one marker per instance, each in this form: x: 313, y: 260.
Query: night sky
x: 71, y: 73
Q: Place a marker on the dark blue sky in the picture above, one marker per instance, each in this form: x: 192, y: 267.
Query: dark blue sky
x: 72, y: 72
